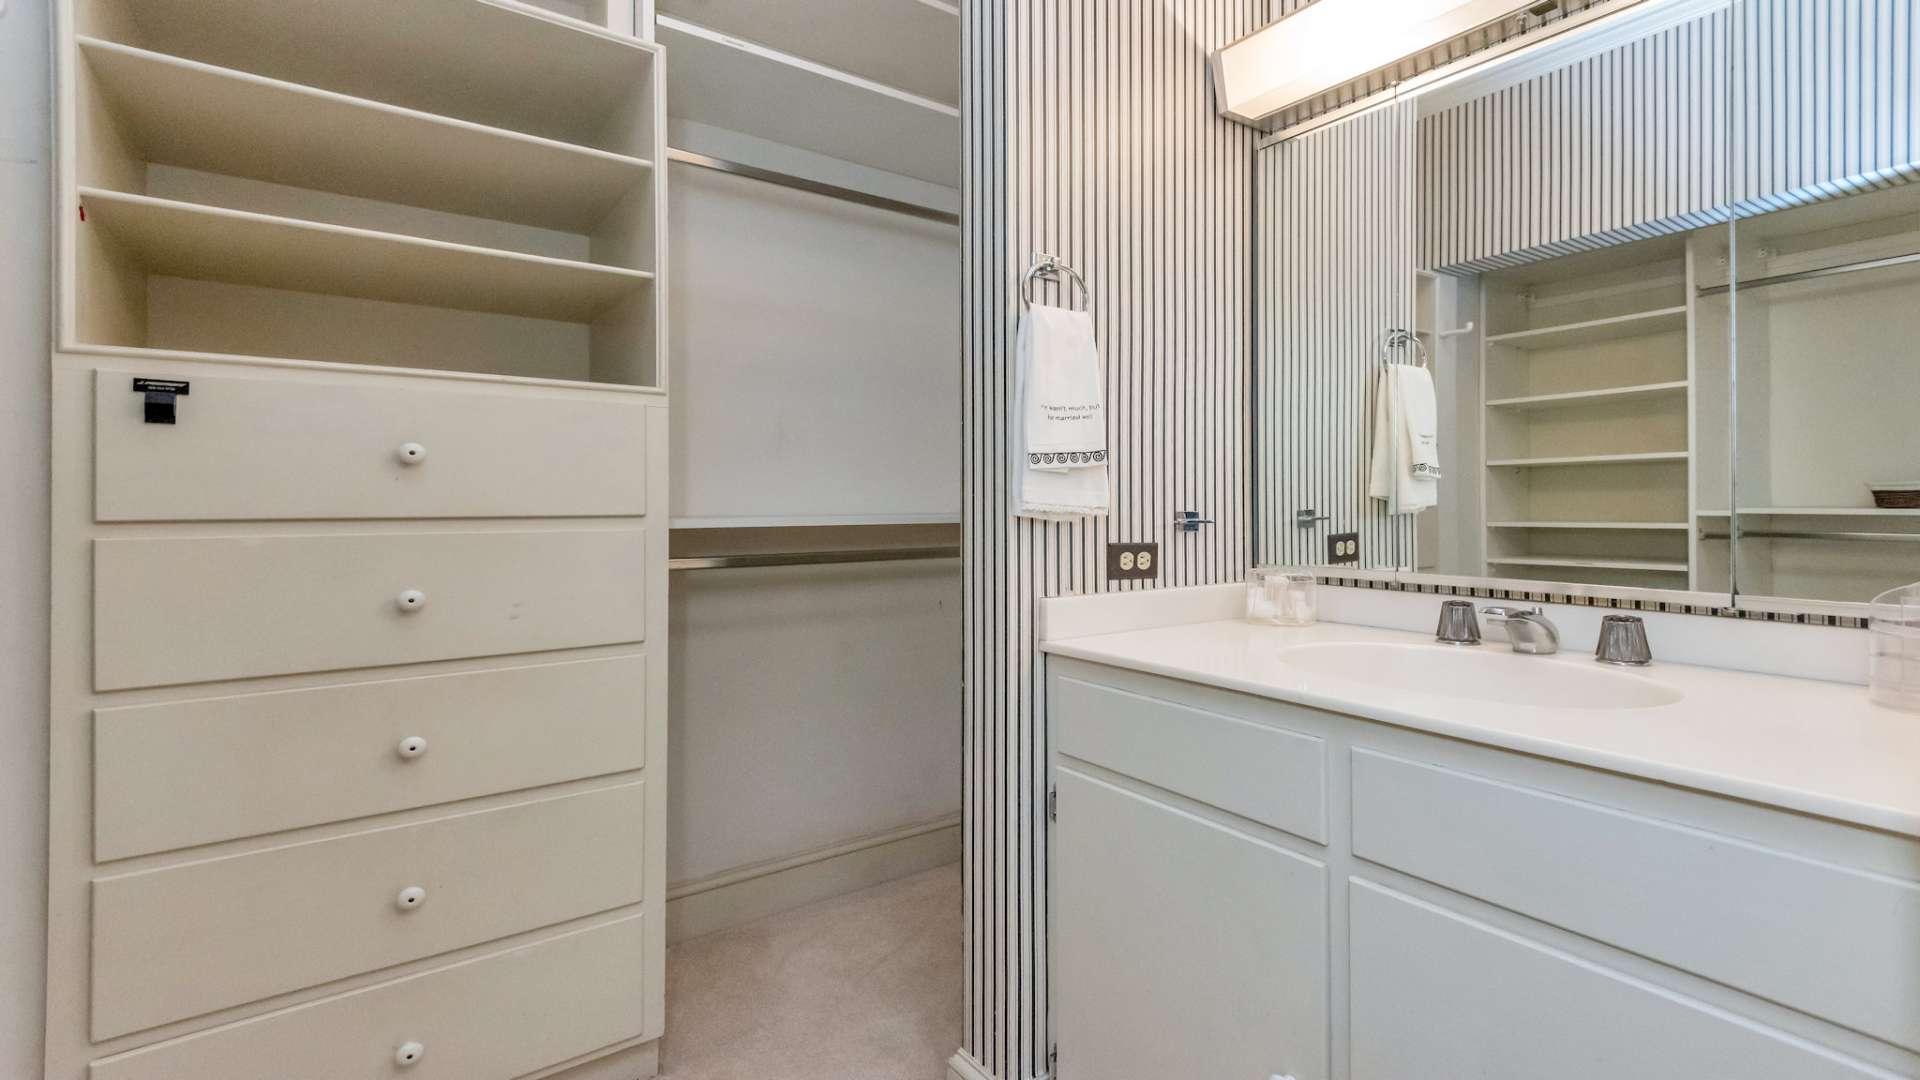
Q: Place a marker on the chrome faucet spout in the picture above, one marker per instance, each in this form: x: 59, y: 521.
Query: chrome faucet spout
x: 1528, y: 629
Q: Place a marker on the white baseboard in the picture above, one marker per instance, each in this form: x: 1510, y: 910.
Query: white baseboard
x: 753, y: 892
x: 961, y: 1066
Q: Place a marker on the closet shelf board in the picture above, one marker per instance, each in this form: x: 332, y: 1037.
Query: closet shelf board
x: 913, y: 45
x: 1623, y: 526
x: 1650, y: 565
x: 1589, y: 459
x: 734, y: 84
x: 1586, y: 397
x: 1594, y: 331
x: 1816, y: 511
x: 198, y: 116
x: 490, y: 60
x: 215, y: 244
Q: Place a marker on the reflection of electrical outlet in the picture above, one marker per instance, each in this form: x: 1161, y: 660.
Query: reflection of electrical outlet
x: 1133, y: 562
x: 1343, y: 548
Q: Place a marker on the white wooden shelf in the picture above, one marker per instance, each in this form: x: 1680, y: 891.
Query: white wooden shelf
x: 730, y: 83
x: 198, y: 116
x: 1589, y: 459
x: 1658, y: 566
x: 1815, y: 511
x: 496, y: 62
x: 1619, y: 327
x: 1588, y: 397
x: 215, y: 244
x: 1625, y: 526
x: 913, y: 45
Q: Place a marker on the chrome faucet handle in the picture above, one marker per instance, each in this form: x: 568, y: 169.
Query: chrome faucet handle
x: 1457, y: 624
x: 1623, y: 640
x: 1528, y: 629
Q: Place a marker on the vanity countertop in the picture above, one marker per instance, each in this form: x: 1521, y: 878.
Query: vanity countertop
x: 1816, y: 747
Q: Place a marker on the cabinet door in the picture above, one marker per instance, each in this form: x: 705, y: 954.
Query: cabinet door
x: 1183, y: 948
x: 1438, y: 994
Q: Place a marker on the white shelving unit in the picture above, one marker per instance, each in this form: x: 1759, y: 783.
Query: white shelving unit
x: 1586, y: 392
x: 912, y: 45
x: 273, y: 179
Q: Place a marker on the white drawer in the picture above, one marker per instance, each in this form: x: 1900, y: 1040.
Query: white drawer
x: 496, y: 1017
x: 330, y: 447
x: 180, y: 773
x: 1265, y: 773
x: 1436, y: 994
x: 1836, y: 943
x: 185, y: 940
x: 200, y: 609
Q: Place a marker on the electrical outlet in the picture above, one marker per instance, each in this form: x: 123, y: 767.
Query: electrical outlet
x: 1133, y: 562
x: 1343, y: 548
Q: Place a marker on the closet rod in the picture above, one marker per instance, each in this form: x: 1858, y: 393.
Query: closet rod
x: 814, y: 558
x: 816, y: 187
x: 1808, y: 275
x: 1781, y: 534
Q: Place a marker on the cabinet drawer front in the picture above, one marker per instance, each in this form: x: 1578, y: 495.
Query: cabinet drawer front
x: 1832, y: 942
x: 1216, y: 970
x: 1438, y: 994
x: 199, y: 609
x: 177, y: 942
x: 495, y: 1017
x: 1270, y: 775
x: 253, y: 449
x: 181, y: 773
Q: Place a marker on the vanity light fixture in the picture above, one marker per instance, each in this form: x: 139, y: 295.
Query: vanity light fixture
x: 1330, y: 42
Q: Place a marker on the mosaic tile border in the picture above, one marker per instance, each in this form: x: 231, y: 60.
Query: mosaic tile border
x: 1547, y: 596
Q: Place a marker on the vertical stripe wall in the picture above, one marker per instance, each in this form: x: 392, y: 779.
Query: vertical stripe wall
x: 1335, y: 245
x: 1088, y: 131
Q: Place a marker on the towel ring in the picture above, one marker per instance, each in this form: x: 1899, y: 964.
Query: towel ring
x: 1051, y: 268
x: 1400, y: 339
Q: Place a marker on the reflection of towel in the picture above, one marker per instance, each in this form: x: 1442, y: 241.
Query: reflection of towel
x: 1406, y: 449
x: 1059, y: 417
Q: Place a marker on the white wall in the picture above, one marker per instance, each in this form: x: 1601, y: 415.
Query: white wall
x: 25, y: 184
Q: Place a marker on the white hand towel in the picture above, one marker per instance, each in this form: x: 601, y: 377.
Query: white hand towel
x: 1065, y: 414
x: 1405, y: 469
x: 1059, y: 418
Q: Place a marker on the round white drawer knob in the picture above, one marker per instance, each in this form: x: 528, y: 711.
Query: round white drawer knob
x: 410, y: 600
x: 411, y: 453
x: 410, y: 897
x: 412, y: 747
x: 409, y: 1053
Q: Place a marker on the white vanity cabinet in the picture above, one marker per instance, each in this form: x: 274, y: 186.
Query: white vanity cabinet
x: 1246, y: 889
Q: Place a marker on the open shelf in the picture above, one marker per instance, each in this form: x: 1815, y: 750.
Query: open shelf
x: 193, y: 115
x: 1588, y: 459
x: 1624, y: 526
x: 1590, y: 397
x: 1619, y: 327
x: 186, y: 240
x: 730, y: 83
x: 913, y: 45
x: 1817, y: 511
x: 493, y: 62
x: 1643, y: 565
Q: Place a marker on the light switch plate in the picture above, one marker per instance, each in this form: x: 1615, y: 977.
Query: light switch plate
x: 1133, y: 562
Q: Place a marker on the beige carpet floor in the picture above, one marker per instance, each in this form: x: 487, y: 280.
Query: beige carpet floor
x: 865, y: 986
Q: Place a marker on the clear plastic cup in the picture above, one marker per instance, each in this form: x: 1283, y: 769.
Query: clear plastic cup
x: 1893, y: 667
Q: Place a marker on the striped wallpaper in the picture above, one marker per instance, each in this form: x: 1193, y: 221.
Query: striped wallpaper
x: 1335, y: 243
x: 1089, y: 132
x: 1637, y: 141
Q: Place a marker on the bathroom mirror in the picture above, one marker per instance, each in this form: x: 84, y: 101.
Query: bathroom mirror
x: 1667, y: 309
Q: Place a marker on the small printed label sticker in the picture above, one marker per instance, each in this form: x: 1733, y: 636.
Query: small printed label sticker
x: 160, y: 386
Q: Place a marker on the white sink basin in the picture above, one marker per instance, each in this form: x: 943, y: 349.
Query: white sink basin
x: 1484, y: 673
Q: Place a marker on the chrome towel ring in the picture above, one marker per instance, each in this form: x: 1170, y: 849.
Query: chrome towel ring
x: 1398, y: 340
x: 1052, y: 268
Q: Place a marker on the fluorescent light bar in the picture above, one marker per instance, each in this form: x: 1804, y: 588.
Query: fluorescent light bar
x: 1331, y: 42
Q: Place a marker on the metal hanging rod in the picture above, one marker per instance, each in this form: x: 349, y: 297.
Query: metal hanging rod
x: 816, y: 187
x: 1853, y: 537
x: 814, y: 558
x: 1809, y: 275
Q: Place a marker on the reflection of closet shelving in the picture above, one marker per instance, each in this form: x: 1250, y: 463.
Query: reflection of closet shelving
x: 768, y: 88
x: 1586, y: 437
x: 236, y: 192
